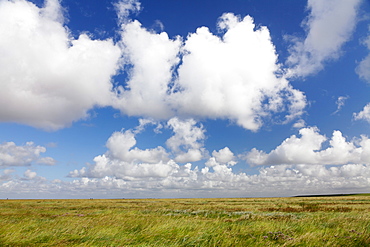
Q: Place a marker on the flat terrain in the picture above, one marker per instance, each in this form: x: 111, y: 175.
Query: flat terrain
x: 296, y: 221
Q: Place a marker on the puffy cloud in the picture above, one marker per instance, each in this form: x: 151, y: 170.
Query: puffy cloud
x: 218, y: 180
x: 124, y: 160
x: 13, y: 155
x: 206, y: 76
x: 233, y: 76
x: 187, y: 141
x: 364, y: 114
x: 109, y: 166
x: 30, y: 174
x: 48, y: 78
x: 150, y: 58
x: 326, y: 34
x: 307, y: 150
x: 121, y: 145
x: 224, y: 156
x: 127, y: 171
x: 125, y: 7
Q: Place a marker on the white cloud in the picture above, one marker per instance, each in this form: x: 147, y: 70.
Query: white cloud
x: 127, y: 171
x: 364, y: 114
x: 150, y: 58
x: 340, y: 103
x: 328, y: 26
x: 363, y: 69
x: 13, y: 155
x: 217, y: 180
x: 30, y: 174
x: 299, y: 124
x: 121, y: 147
x: 307, y: 150
x: 187, y: 141
x: 125, y: 7
x: 49, y: 79
x: 224, y: 156
x: 5, y: 176
x: 59, y: 78
x: 233, y: 76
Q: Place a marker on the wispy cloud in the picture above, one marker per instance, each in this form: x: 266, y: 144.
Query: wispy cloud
x: 363, y: 69
x: 329, y: 25
x: 340, y: 103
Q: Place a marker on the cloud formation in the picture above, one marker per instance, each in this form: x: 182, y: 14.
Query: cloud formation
x: 340, y: 103
x: 363, y: 69
x: 299, y: 165
x: 124, y: 160
x: 51, y: 79
x: 206, y: 76
x: 325, y: 35
x: 188, y: 181
x: 13, y: 155
x: 48, y: 78
x: 187, y: 141
x: 364, y: 114
x: 307, y: 150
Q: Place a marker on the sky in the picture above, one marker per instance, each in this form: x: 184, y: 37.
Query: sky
x: 184, y: 98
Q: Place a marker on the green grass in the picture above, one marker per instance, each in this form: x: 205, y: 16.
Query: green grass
x: 298, y: 221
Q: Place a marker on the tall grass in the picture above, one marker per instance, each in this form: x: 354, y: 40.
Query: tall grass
x: 314, y: 221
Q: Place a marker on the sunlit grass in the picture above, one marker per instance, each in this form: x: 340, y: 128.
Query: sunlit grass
x: 313, y: 221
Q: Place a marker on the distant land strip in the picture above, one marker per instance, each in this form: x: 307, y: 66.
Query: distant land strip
x: 328, y: 195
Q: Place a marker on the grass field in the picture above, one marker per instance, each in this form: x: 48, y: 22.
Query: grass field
x: 296, y: 221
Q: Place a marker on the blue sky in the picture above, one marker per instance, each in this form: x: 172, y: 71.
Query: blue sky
x: 138, y: 99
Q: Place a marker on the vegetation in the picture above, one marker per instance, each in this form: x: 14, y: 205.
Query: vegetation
x: 298, y: 221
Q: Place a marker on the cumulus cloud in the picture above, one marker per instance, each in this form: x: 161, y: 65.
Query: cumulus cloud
x: 224, y: 156
x: 187, y: 141
x: 28, y: 174
x: 325, y: 35
x: 232, y: 75
x: 121, y: 146
x: 298, y: 166
x: 364, y: 114
x: 48, y: 78
x: 13, y: 155
x: 149, y: 57
x: 307, y: 149
x: 218, y: 180
x: 125, y: 7
x: 205, y: 75
x: 124, y: 160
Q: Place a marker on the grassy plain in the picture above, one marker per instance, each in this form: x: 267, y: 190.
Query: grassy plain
x: 297, y: 221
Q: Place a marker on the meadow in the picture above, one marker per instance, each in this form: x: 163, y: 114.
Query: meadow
x: 294, y: 221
